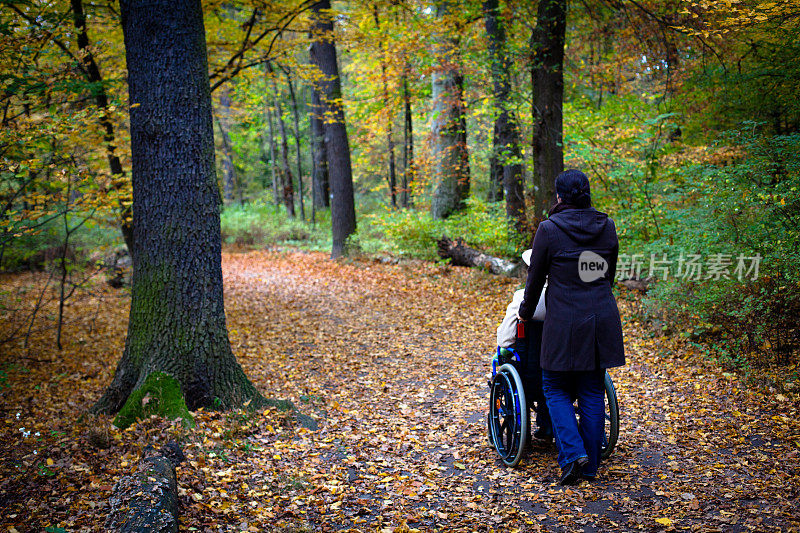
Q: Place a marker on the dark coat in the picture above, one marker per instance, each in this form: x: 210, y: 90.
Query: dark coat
x: 582, y: 329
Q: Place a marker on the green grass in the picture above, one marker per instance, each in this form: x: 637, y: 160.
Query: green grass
x: 260, y: 225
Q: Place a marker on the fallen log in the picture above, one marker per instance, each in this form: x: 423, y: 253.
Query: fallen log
x: 640, y: 285
x: 462, y: 255
x: 148, y: 500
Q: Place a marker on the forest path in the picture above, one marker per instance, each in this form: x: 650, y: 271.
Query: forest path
x: 394, y: 360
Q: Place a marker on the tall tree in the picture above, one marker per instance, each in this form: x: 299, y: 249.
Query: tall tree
x: 547, y: 74
x: 296, y: 116
x: 286, y: 180
x: 275, y: 192
x: 495, y: 193
x: 319, y: 181
x: 177, y: 318
x: 449, y: 125
x: 408, y: 144
x: 388, y: 107
x: 92, y: 73
x: 223, y: 122
x: 323, y: 56
x: 507, y: 146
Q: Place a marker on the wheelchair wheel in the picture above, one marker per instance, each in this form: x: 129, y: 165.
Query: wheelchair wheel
x: 611, y: 427
x: 508, y: 415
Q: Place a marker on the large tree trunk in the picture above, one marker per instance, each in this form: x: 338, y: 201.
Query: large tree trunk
x: 223, y: 121
x: 319, y: 181
x: 323, y: 56
x: 406, y: 199
x: 101, y: 100
x: 287, y: 185
x: 449, y: 127
x: 507, y: 146
x: 296, y: 114
x: 177, y: 318
x: 547, y: 73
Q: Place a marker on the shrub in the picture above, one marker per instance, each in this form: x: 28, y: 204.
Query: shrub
x: 259, y: 224
x: 35, y: 250
x: 482, y: 225
x: 749, y: 205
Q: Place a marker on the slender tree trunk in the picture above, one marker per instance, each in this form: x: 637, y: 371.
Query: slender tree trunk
x: 223, y: 121
x: 177, y: 318
x: 275, y: 188
x: 387, y: 105
x: 406, y: 199
x: 507, y: 139
x: 449, y: 127
x: 323, y: 56
x: 320, y: 182
x: 296, y: 114
x: 101, y: 100
x: 547, y: 73
x: 287, y: 185
x: 495, y: 169
x: 311, y: 155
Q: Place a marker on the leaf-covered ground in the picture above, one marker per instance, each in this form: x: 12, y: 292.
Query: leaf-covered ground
x: 392, y: 360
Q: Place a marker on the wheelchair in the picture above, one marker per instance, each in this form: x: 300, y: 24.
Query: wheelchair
x: 508, y: 421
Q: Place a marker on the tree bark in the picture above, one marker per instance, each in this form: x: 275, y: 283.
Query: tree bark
x: 507, y: 145
x: 177, y: 317
x: 287, y: 185
x: 228, y: 173
x: 462, y: 255
x: 296, y: 114
x: 337, y: 147
x: 147, y: 501
x: 449, y: 127
x: 101, y: 100
x: 406, y: 200
x: 320, y: 182
x: 547, y: 74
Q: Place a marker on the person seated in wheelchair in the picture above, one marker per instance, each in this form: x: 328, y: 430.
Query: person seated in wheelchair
x: 524, y: 339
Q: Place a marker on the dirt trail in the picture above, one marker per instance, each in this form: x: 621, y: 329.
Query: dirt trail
x: 392, y: 360
x: 396, y: 360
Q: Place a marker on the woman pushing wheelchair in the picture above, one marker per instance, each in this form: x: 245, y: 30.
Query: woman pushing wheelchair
x: 575, y: 252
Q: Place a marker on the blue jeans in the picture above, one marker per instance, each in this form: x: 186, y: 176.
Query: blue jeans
x: 529, y: 350
x: 576, y: 440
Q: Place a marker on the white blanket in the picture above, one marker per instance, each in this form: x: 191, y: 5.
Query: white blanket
x: 507, y: 330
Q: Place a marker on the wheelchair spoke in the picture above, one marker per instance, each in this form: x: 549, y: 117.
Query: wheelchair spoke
x: 507, y: 416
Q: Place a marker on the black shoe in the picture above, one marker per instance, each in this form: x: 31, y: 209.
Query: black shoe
x: 571, y: 474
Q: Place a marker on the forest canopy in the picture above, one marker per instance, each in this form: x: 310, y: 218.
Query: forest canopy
x: 454, y: 117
